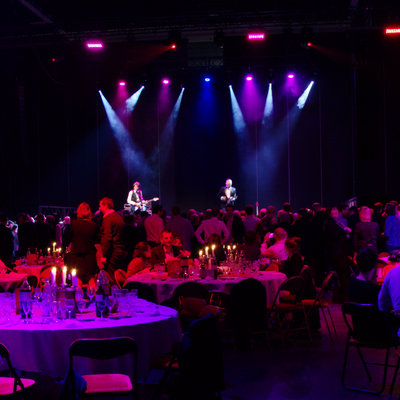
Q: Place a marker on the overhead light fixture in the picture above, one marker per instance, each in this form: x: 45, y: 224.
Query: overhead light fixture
x: 256, y: 36
x: 219, y: 39
x: 174, y: 40
x: 94, y: 45
x: 306, y: 37
x: 392, y: 31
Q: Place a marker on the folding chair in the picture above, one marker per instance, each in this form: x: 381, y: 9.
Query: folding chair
x: 13, y: 384
x: 107, y: 385
x: 320, y: 303
x: 368, y: 328
x: 295, y: 286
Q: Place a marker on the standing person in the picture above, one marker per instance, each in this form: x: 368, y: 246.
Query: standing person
x: 181, y: 226
x: 392, y: 228
x: 366, y: 233
x: 227, y: 194
x: 210, y: 226
x: 84, y: 234
x: 154, y: 225
x: 250, y: 222
x: 135, y: 198
x: 235, y: 225
x: 112, y: 230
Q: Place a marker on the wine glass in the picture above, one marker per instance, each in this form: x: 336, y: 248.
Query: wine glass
x: 81, y: 306
x: 35, y: 305
x: 79, y: 294
x: 70, y: 305
x: 91, y: 291
x: 56, y: 308
x: 27, y: 306
x: 102, y: 306
x: 63, y: 308
x: 110, y: 301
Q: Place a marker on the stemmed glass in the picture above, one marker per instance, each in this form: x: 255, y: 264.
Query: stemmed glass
x: 102, y: 306
x: 63, y: 308
x: 35, y: 305
x: 27, y: 306
x: 133, y: 295
x: 91, y: 291
x: 79, y: 294
x: 110, y: 301
x: 81, y: 306
x: 70, y: 305
x: 56, y: 309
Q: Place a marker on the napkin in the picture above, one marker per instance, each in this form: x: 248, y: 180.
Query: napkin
x: 73, y: 324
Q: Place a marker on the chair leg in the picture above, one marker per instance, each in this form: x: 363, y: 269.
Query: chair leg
x: 308, y: 326
x: 326, y: 322
x: 280, y: 327
x: 346, y: 353
x: 364, y: 363
x: 333, y: 324
x: 394, y: 378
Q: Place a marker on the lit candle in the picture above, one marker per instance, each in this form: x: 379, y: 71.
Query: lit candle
x: 206, y: 251
x: 200, y: 253
x: 229, y: 249
x: 64, y: 276
x: 48, y: 250
x: 53, y: 276
x: 54, y: 247
x: 74, y: 278
x: 234, y: 247
x: 213, y: 248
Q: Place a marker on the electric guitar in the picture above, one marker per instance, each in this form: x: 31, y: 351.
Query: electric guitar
x: 143, y: 204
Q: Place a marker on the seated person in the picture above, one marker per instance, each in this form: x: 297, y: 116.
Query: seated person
x: 364, y: 289
x: 166, y: 251
x: 251, y: 246
x: 276, y: 251
x: 139, y: 263
x: 389, y: 296
x: 215, y: 239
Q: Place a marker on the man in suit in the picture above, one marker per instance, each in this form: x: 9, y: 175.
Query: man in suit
x: 166, y: 251
x: 227, y: 194
x: 112, y: 230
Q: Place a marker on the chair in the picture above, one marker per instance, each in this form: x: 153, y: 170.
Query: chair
x: 33, y: 281
x: 247, y: 312
x: 120, y: 277
x: 320, y: 303
x: 353, y: 267
x: 145, y: 291
x: 190, y: 289
x: 13, y: 384
x: 106, y: 385
x: 368, y: 328
x: 293, y: 305
x: 189, y: 311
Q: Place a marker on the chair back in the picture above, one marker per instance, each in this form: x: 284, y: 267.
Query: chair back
x: 102, y: 349
x: 366, y: 322
x: 33, y: 281
x: 145, y: 291
x: 120, y: 277
x: 353, y: 267
x: 191, y: 306
x: 295, y: 286
x: 4, y: 353
x: 191, y: 289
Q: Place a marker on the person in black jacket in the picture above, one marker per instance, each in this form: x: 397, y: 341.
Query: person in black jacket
x: 84, y: 234
x: 234, y: 224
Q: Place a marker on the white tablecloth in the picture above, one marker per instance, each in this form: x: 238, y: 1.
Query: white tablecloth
x: 164, y: 289
x: 44, y: 347
x: 11, y: 280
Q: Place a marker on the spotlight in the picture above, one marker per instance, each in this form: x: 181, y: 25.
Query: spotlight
x: 290, y: 76
x: 392, y: 31
x: 207, y: 79
x: 306, y: 38
x: 122, y: 83
x: 94, y: 45
x: 165, y: 81
x: 219, y: 39
x: 249, y: 78
x: 174, y: 39
x: 256, y: 36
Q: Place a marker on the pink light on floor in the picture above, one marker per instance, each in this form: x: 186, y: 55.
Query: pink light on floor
x: 94, y: 45
x: 256, y: 36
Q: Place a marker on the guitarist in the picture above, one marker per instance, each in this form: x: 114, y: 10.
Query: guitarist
x: 135, y: 198
x: 227, y: 194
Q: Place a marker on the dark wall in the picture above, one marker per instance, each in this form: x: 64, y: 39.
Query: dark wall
x: 57, y: 147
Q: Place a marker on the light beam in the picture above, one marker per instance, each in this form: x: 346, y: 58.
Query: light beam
x: 303, y: 98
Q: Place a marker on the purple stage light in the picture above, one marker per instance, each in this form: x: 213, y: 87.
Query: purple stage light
x: 290, y: 76
x: 256, y: 36
x: 94, y: 45
x: 122, y: 83
x: 249, y: 78
x: 165, y: 81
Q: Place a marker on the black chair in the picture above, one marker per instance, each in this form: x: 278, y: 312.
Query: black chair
x: 368, y: 327
x: 33, y: 281
x: 145, y: 291
x: 246, y: 313
x: 106, y: 385
x: 187, y: 289
x: 278, y: 311
x: 13, y: 384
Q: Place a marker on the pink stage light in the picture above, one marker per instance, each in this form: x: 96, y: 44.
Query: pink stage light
x: 94, y: 45
x: 391, y: 31
x: 256, y: 36
x: 249, y: 78
x: 290, y: 76
x: 165, y: 81
x: 309, y: 44
x: 122, y: 83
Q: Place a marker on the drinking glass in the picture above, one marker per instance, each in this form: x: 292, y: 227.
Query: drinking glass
x: 27, y: 306
x: 70, y: 305
x: 102, y: 306
x: 56, y: 308
x: 79, y: 294
x: 81, y: 306
x: 110, y: 301
x: 91, y: 291
x: 63, y: 308
x: 35, y: 305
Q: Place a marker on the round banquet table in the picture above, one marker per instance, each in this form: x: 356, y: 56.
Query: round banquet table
x: 164, y: 289
x: 44, y: 347
x: 11, y: 280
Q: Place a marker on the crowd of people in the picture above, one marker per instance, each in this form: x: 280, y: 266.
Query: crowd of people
x: 325, y: 239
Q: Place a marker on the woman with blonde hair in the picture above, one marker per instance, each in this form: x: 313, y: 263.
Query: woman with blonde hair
x: 140, y: 262
x: 84, y: 235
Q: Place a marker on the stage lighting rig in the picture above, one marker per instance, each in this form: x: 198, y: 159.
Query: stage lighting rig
x: 174, y: 40
x: 219, y: 39
x: 306, y: 37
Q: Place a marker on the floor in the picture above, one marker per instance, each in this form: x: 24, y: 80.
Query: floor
x: 300, y: 370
